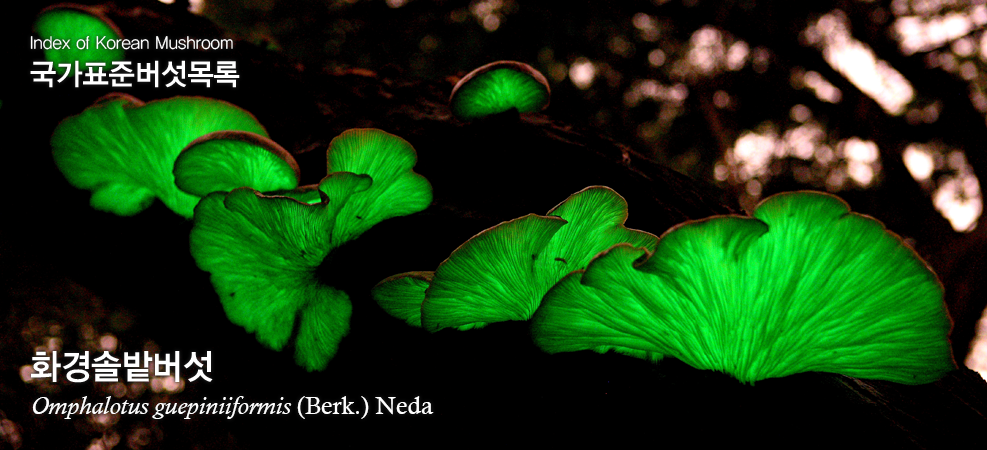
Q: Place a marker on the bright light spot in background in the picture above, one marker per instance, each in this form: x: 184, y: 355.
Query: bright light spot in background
x: 396, y: 3
x: 706, y: 49
x: 53, y: 344
x: 752, y: 153
x: 711, y: 51
x: 857, y: 62
x: 647, y: 27
x: 98, y: 444
x: 10, y: 433
x: 167, y: 384
x: 737, y: 55
x: 582, y: 72
x: 805, y: 150
x: 801, y: 142
x: 649, y: 89
x: 958, y: 196
x: 720, y: 172
x: 917, y: 34
x: 107, y: 441
x: 489, y: 13
x: 750, y: 164
x: 491, y: 22
x: 822, y: 88
x: 753, y: 188
x: 25, y: 373
x: 919, y: 162
x: 196, y: 6
x: 968, y: 71
x: 643, y: 21
x: 800, y: 113
x: 963, y: 47
x: 863, y: 160
x: 951, y: 34
x: 920, y: 34
x: 108, y: 342
x: 977, y: 358
x: 669, y: 99
x: 656, y: 57
x: 956, y: 193
x: 167, y: 2
x: 678, y: 93
x: 104, y: 420
x: 721, y: 99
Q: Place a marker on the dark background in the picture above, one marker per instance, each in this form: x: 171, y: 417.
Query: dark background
x: 73, y: 275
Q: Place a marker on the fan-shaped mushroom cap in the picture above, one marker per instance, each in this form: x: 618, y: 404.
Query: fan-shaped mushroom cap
x: 503, y: 272
x: 804, y: 285
x: 402, y: 295
x: 225, y: 160
x: 497, y: 87
x: 262, y: 251
x: 396, y: 191
x: 124, y: 150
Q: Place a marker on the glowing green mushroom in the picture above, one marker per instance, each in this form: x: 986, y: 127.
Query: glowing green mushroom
x: 502, y: 273
x: 498, y: 87
x: 402, y: 295
x: 262, y: 251
x: 69, y: 22
x: 396, y: 190
x: 124, y: 150
x: 226, y: 160
x: 804, y: 285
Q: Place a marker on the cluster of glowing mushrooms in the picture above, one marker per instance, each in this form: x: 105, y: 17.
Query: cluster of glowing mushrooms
x: 801, y: 285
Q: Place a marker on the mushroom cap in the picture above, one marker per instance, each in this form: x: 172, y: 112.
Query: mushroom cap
x: 498, y: 87
x: 124, y: 150
x: 262, y: 250
x: 226, y: 160
x: 70, y: 21
x: 308, y: 194
x: 389, y: 160
x: 503, y: 272
x: 402, y: 295
x: 803, y: 285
